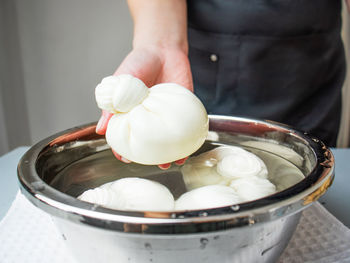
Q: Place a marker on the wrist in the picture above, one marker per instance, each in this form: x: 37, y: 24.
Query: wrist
x: 160, y: 37
x: 160, y: 23
x: 160, y: 44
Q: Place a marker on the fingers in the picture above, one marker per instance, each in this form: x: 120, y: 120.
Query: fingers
x: 166, y: 166
x: 101, y: 126
x: 181, y: 161
x: 121, y: 158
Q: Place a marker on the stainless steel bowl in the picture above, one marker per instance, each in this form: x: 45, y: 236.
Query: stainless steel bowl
x: 56, y: 170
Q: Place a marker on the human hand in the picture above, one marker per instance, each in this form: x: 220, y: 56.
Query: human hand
x: 153, y: 65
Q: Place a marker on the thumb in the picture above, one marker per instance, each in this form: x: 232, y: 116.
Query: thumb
x: 101, y: 126
x: 142, y: 64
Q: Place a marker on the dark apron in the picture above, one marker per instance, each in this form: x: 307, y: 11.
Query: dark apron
x: 281, y: 60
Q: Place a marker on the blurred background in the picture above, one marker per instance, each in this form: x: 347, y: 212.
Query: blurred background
x: 54, y: 53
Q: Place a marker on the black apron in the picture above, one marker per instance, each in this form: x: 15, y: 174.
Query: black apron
x: 281, y: 60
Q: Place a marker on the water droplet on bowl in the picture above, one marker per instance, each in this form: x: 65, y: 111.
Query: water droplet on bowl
x: 235, y: 207
x: 203, y: 214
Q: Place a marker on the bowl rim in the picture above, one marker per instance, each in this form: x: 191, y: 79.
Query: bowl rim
x: 287, y: 202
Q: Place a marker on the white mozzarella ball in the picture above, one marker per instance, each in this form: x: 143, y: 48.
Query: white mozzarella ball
x: 131, y: 194
x: 251, y: 188
x: 237, y: 163
x: 207, y: 197
x: 220, y: 166
x: 99, y: 196
x: 161, y: 124
x: 196, y: 175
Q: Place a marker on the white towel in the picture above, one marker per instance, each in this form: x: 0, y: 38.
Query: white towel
x: 27, y: 234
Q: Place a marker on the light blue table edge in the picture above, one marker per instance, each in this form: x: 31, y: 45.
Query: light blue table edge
x: 8, y: 178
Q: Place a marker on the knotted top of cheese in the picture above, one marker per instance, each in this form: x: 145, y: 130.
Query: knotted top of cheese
x: 120, y: 94
x: 154, y: 125
x: 229, y: 166
x: 230, y: 162
x: 222, y: 165
x: 235, y: 162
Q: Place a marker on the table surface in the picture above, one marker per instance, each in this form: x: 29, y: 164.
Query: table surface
x: 336, y: 200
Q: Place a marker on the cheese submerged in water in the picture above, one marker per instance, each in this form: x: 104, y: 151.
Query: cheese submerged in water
x: 220, y: 166
x: 252, y: 188
x: 229, y: 166
x: 243, y: 180
x: 131, y: 194
x: 206, y: 197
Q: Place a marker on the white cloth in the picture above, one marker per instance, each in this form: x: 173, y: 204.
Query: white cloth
x: 28, y: 235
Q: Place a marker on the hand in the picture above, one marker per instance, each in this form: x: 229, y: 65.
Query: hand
x: 153, y: 65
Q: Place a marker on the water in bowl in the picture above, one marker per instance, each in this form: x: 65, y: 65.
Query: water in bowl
x: 102, y: 167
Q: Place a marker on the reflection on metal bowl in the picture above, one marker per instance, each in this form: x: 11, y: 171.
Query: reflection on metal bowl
x: 58, y: 169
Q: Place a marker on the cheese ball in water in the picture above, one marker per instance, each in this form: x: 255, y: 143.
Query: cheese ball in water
x: 131, y: 194
x: 220, y: 166
x: 155, y: 125
x: 251, y: 188
x: 207, y: 197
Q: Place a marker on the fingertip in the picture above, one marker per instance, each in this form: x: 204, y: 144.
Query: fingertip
x: 102, y: 124
x: 164, y: 166
x: 123, y: 159
x: 120, y: 158
x: 181, y: 161
x: 100, y: 127
x: 117, y: 155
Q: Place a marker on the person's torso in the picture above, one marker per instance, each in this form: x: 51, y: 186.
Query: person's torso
x: 272, y: 59
x: 265, y: 17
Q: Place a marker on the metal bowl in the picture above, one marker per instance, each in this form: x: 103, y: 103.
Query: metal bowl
x: 57, y: 169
